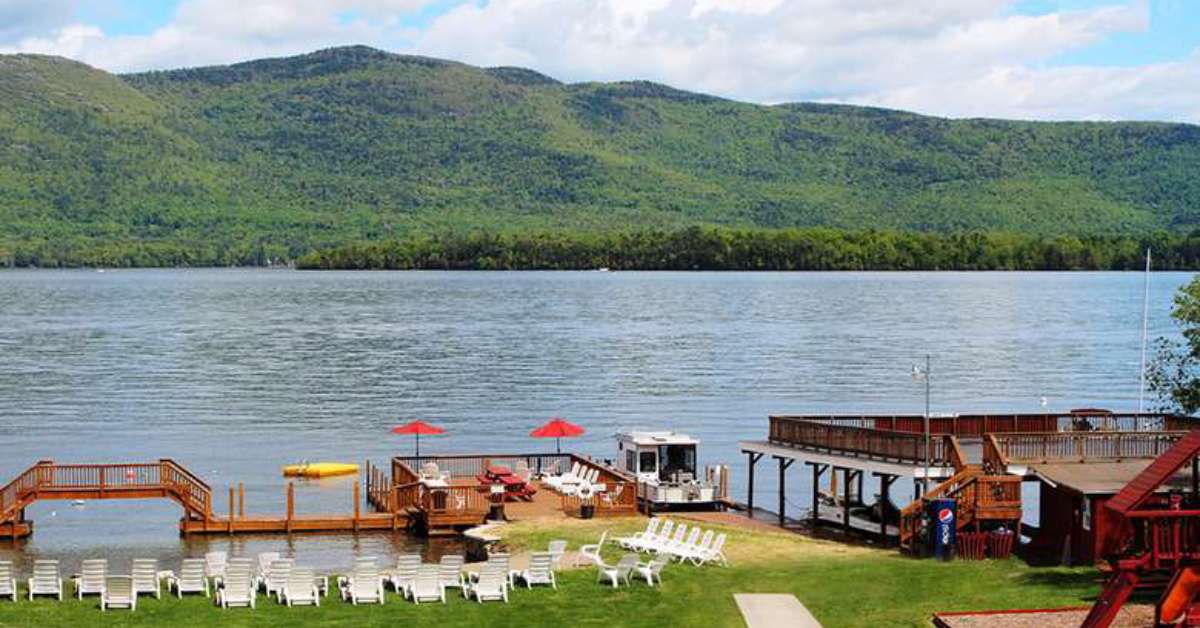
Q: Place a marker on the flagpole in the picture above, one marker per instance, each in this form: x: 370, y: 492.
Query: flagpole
x: 1145, y: 323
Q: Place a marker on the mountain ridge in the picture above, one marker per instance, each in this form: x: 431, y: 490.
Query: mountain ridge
x: 353, y: 143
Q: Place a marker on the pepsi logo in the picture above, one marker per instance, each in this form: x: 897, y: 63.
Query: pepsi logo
x: 945, y: 515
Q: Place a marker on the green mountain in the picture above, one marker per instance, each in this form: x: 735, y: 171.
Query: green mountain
x: 281, y: 156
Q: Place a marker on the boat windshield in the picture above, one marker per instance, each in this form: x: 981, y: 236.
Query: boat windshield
x: 678, y: 462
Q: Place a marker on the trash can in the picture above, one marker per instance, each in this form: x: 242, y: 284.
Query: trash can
x: 587, y: 511
x: 942, y: 527
x: 972, y: 545
x: 1000, y: 543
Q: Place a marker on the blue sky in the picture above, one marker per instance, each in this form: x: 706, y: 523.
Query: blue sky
x: 1038, y: 59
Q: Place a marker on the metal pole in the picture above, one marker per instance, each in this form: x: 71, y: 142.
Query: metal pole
x: 1145, y: 315
x: 928, y: 376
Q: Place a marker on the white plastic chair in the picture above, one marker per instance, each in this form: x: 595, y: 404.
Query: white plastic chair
x: 119, y: 592
x: 652, y: 570
x: 365, y: 585
x: 239, y: 588
x: 540, y: 570
x: 46, y: 579
x: 492, y: 583
x: 557, y: 549
x: 214, y: 565
x: 591, y: 553
x: 630, y: 542
x: 92, y: 573
x: 145, y: 577
x: 277, y: 576
x: 450, y: 570
x: 714, y: 553
x: 301, y: 587
x: 428, y: 585
x: 405, y: 573
x: 617, y: 573
x: 8, y: 583
x: 191, y: 578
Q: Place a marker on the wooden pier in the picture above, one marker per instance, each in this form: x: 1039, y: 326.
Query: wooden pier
x: 167, y: 479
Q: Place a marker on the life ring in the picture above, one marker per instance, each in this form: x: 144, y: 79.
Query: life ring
x: 586, y: 491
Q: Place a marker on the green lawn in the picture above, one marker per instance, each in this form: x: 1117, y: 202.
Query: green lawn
x: 842, y: 586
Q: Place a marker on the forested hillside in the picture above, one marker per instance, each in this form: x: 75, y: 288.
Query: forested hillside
x: 276, y: 158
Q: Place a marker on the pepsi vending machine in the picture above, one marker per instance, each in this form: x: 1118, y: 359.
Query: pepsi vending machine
x: 942, y: 515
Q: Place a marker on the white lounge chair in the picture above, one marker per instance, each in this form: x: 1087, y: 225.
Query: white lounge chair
x: 450, y: 569
x: 92, y: 573
x: 591, y: 553
x: 714, y: 553
x: 191, y: 578
x: 364, y: 585
x: 264, y: 565
x: 631, y: 541
x: 239, y: 588
x: 652, y: 570
x: 540, y: 570
x: 214, y: 566
x: 46, y: 579
x: 145, y: 577
x: 646, y: 542
x: 682, y: 547
x: 492, y: 583
x: 693, y: 549
x: 301, y: 587
x: 277, y: 576
x: 556, y: 481
x: 8, y: 583
x: 405, y: 573
x: 557, y: 549
x: 119, y: 592
x: 675, y: 540
x: 428, y: 586
x: 616, y: 574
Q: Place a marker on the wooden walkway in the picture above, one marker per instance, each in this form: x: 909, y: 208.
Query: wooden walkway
x: 167, y: 479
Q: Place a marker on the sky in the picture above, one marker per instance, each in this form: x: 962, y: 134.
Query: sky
x: 1028, y: 59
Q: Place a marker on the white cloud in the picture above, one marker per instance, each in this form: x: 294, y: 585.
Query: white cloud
x: 947, y: 57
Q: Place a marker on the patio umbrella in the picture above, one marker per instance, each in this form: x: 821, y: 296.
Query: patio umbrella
x: 417, y: 428
x: 557, y: 429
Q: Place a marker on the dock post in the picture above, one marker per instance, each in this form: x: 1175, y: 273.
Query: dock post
x: 753, y: 458
x: 356, y: 511
x: 1195, y: 477
x: 230, y: 509
x: 241, y: 501
x: 291, y: 500
x: 784, y: 463
x: 846, y: 475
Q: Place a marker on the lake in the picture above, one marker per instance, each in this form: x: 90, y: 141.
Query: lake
x: 236, y: 373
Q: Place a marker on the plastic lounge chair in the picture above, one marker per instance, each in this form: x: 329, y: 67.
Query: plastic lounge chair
x: 693, y: 549
x: 214, y: 565
x: 428, y: 585
x: 628, y: 542
x: 365, y: 585
x: 652, y: 570
x: 557, y: 548
x: 491, y: 584
x: 557, y: 482
x: 683, y: 547
x: 277, y: 576
x: 540, y: 570
x: 714, y: 553
x: 675, y: 540
x: 240, y: 588
x: 497, y: 562
x: 93, y: 571
x: 119, y: 592
x: 191, y: 578
x: 451, y: 572
x: 8, y: 584
x: 617, y: 573
x: 301, y: 587
x: 591, y: 553
x: 405, y: 573
x: 145, y: 577
x: 46, y: 579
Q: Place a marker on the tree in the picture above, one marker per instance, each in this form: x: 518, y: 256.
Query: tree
x: 1174, y: 373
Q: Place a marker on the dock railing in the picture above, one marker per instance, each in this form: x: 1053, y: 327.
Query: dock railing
x: 856, y: 438
x: 1001, y: 450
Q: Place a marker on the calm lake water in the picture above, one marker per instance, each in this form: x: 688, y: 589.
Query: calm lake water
x: 235, y: 373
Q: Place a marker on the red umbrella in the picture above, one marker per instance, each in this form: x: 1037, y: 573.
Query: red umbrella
x: 557, y: 429
x: 418, y: 428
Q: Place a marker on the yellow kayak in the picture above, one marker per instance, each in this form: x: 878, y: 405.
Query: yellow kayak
x: 320, y: 469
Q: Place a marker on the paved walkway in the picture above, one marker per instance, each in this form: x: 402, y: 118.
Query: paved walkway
x: 774, y: 610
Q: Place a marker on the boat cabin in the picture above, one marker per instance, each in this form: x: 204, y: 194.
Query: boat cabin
x: 666, y: 469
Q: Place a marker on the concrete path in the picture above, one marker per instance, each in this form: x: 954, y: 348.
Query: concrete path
x: 774, y: 610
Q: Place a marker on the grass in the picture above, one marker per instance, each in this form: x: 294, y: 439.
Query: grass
x: 841, y: 585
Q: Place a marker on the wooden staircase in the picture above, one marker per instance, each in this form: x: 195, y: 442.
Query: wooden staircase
x: 47, y: 480
x: 979, y: 497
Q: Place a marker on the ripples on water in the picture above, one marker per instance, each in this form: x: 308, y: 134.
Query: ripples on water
x: 237, y: 372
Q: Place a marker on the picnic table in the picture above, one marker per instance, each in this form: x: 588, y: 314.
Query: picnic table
x: 514, y: 486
